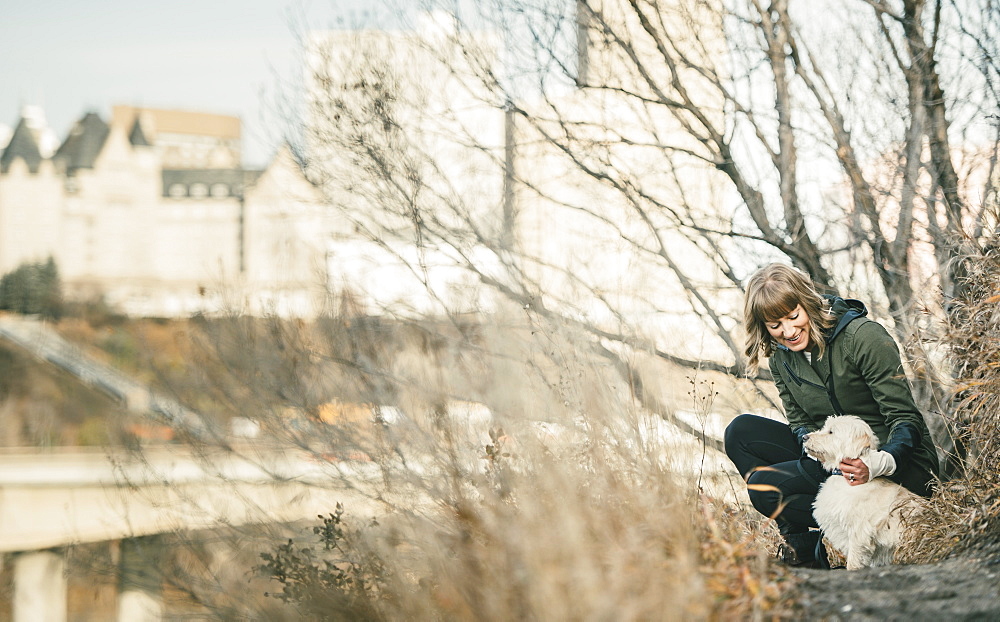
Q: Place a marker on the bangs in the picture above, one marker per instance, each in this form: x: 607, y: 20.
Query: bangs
x: 773, y: 304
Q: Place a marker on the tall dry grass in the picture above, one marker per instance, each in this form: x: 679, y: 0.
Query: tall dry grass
x: 514, y: 474
x: 964, y: 513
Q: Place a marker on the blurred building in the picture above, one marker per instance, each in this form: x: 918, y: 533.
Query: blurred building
x: 407, y: 143
x: 153, y: 211
x: 610, y: 182
x: 184, y: 139
x: 434, y: 164
x: 545, y: 158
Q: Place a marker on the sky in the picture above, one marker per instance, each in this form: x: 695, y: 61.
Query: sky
x: 231, y: 57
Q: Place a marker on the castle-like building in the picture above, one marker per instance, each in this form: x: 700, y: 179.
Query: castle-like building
x: 153, y: 210
x: 426, y: 189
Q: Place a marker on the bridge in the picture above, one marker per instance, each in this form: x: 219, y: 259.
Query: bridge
x: 50, y: 500
x: 56, y: 498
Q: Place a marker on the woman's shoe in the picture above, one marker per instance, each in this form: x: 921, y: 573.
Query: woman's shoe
x: 803, y: 550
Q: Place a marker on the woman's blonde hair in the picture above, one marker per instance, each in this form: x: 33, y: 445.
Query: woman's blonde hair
x: 772, y: 293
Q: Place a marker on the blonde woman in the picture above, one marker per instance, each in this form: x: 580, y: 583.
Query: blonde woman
x: 827, y: 359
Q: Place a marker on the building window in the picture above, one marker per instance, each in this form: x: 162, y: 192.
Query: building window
x: 220, y: 190
x: 199, y: 190
x: 177, y: 190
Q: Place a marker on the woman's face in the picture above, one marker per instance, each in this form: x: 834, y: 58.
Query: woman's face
x: 791, y: 331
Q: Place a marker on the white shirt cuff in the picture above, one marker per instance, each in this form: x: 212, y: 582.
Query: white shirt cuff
x: 879, y: 463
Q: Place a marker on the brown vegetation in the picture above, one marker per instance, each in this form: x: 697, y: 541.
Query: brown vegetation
x: 965, y: 511
x: 43, y: 406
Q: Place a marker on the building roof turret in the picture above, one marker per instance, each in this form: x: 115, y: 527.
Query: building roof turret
x: 22, y: 145
x: 84, y: 143
x: 137, y: 137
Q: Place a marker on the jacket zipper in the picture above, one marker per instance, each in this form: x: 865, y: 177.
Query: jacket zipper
x: 829, y: 392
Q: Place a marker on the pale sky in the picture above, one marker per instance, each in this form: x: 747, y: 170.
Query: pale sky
x: 224, y: 56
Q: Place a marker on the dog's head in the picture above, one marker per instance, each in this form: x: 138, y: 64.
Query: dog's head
x: 840, y: 437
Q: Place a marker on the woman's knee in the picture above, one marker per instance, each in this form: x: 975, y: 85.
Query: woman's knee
x: 764, y: 495
x: 737, y: 431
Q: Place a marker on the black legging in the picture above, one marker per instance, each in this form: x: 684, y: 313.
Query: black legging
x: 782, y: 482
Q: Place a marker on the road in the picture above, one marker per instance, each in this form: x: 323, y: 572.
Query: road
x: 44, y: 342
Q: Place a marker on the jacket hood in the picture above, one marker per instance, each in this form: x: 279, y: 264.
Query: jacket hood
x: 845, y: 311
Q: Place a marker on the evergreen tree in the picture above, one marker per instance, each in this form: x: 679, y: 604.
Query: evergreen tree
x: 33, y: 288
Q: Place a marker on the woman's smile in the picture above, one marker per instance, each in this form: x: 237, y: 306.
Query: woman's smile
x: 792, y: 330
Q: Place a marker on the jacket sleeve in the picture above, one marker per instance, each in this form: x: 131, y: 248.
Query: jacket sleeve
x: 903, y: 441
x: 798, y: 421
x: 877, y: 357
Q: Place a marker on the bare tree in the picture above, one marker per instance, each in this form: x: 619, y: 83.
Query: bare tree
x: 620, y: 166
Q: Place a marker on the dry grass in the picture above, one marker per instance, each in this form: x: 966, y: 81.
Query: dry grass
x: 567, y: 542
x: 964, y: 512
x: 522, y: 482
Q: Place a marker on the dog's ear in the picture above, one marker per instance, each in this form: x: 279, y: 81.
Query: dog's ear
x: 865, y: 440
x: 862, y: 442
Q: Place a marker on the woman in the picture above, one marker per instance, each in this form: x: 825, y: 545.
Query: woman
x: 827, y: 359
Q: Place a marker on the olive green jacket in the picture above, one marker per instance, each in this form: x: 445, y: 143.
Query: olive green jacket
x: 867, y: 380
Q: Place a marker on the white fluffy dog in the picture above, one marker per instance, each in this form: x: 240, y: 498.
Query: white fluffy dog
x: 861, y: 521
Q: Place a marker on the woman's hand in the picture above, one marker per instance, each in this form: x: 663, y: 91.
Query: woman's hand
x: 855, y: 471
